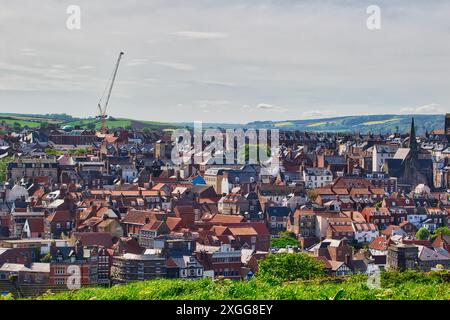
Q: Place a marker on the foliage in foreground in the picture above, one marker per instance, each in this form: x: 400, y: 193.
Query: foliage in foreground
x: 283, y: 240
x: 407, y: 286
x: 290, y: 266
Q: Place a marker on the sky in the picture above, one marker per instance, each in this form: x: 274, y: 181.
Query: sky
x: 225, y: 60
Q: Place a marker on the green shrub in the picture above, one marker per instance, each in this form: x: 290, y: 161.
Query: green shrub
x: 290, y: 266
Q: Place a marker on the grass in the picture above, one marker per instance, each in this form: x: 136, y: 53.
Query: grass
x: 3, y: 165
x: 317, y: 124
x: 31, y: 118
x: 110, y: 123
x: 394, y: 287
x: 369, y: 123
x: 283, y: 240
x: 119, y: 122
x: 23, y: 123
x: 284, y: 124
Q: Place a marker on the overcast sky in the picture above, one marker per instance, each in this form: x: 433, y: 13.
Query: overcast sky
x: 225, y: 60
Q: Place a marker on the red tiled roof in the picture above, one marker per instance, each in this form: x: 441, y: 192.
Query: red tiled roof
x: 225, y: 218
x: 365, y: 227
x: 173, y: 223
x: 36, y: 224
x: 94, y: 238
x: 363, y: 191
x: 380, y: 244
x: 370, y: 211
x: 243, y: 231
x: 340, y: 191
x: 339, y: 228
x: 137, y: 217
x: 152, y: 225
x: 60, y: 216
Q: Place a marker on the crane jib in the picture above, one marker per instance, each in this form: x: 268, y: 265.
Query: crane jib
x: 104, y: 108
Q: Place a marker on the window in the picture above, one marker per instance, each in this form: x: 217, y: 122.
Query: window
x: 60, y: 270
x: 60, y: 281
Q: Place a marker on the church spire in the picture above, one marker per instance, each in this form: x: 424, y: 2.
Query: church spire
x: 412, y: 137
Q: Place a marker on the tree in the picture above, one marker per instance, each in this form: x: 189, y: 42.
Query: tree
x: 3, y: 168
x: 52, y: 152
x: 284, y: 239
x: 290, y: 266
x: 16, y: 126
x: 442, y: 231
x: 422, y: 234
x: 312, y: 195
x: 46, y: 258
x: 91, y: 126
x: 80, y: 152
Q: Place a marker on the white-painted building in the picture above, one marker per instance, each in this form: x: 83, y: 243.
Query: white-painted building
x: 380, y: 153
x: 317, y: 177
x: 365, y: 232
x: 15, y: 193
x: 417, y: 218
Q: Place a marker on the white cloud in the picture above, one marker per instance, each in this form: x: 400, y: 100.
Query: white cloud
x: 200, y: 35
x: 428, y: 108
x: 301, y: 58
x: 319, y: 113
x: 28, y: 52
x: 137, y: 62
x: 270, y: 107
x: 177, y: 65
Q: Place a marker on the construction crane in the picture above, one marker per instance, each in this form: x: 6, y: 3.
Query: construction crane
x: 103, y: 109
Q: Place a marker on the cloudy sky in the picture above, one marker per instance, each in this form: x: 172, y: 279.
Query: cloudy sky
x: 225, y: 60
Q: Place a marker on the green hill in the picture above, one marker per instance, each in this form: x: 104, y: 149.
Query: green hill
x: 35, y: 121
x: 386, y: 123
x: 363, y: 124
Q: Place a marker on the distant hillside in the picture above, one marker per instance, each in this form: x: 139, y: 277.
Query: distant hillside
x: 35, y: 121
x: 386, y: 123
x: 371, y: 123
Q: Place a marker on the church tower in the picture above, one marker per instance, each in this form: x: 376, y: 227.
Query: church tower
x: 412, y: 138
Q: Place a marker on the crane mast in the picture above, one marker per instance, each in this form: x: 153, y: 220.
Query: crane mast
x: 103, y: 109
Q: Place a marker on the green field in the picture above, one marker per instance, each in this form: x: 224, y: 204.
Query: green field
x: 394, y: 286
x: 22, y: 123
x: 284, y: 124
x: 35, y: 121
x: 116, y: 123
x: 369, y: 123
